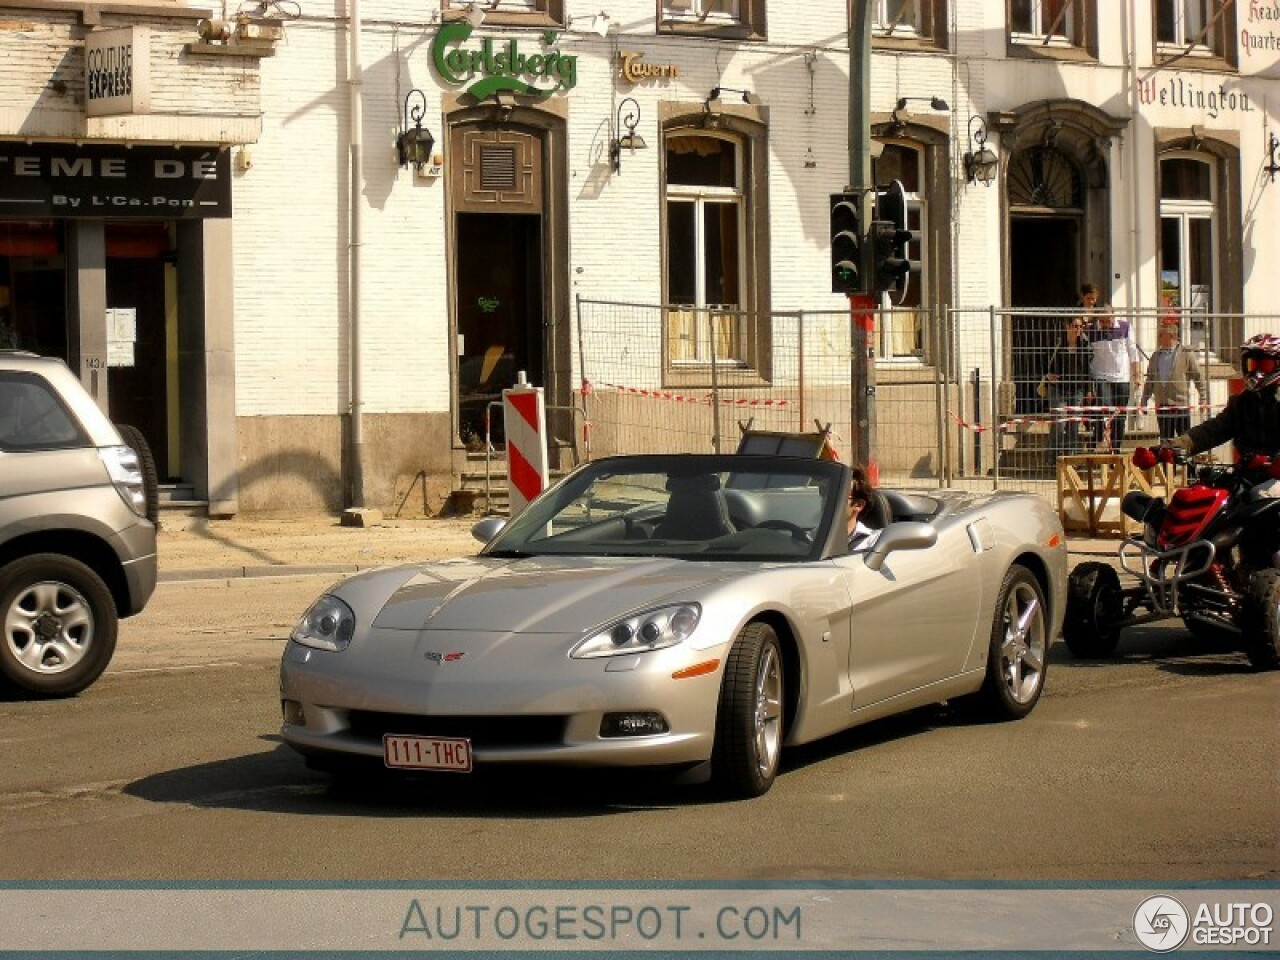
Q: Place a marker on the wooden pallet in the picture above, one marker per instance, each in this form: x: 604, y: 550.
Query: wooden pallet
x: 1091, y: 487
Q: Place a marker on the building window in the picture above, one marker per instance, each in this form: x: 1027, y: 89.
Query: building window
x: 737, y: 19
x: 509, y: 12
x: 1057, y: 29
x: 901, y: 332
x: 1038, y: 21
x: 1194, y: 28
x: 704, y: 255
x: 1188, y: 231
x: 908, y: 23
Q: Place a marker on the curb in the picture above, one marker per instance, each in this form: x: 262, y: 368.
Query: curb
x: 261, y: 572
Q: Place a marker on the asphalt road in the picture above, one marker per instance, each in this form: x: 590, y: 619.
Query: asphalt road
x: 1161, y: 765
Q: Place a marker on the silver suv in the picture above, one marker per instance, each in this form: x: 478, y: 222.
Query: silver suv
x: 77, y: 550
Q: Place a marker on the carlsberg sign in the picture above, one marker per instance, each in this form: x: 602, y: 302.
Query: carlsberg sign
x: 490, y: 68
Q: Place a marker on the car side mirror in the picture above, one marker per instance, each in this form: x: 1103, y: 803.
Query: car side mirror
x: 488, y: 528
x: 903, y: 535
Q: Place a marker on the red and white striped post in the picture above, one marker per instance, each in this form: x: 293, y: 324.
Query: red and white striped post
x: 524, y: 415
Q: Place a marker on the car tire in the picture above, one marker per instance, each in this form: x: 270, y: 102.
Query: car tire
x: 1018, y: 655
x: 133, y: 437
x: 749, y: 721
x: 1262, y: 620
x: 1091, y: 627
x: 59, y: 623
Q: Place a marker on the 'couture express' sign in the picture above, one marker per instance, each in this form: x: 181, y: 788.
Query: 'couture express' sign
x: 491, y: 68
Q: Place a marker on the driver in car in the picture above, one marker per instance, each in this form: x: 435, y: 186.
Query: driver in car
x: 861, y: 536
x: 1252, y: 418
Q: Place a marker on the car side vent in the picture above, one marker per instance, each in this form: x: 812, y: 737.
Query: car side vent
x: 497, y: 168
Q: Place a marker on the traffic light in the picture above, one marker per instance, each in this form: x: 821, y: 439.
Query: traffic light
x: 846, y: 243
x: 892, y: 241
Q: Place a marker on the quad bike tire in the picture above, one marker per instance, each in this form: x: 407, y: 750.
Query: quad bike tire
x: 1262, y: 620
x: 1091, y: 627
x: 133, y: 437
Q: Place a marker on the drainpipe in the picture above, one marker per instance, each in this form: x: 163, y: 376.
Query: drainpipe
x: 1135, y: 284
x: 355, y: 452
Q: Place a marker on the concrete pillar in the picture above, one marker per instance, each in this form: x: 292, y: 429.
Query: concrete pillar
x: 206, y: 363
x: 87, y: 306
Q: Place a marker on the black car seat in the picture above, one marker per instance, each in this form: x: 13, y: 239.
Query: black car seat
x: 695, y: 510
x: 877, y: 514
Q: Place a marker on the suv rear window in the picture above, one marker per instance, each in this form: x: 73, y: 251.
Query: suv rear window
x: 33, y: 417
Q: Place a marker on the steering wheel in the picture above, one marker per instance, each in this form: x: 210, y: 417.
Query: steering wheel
x: 797, y: 532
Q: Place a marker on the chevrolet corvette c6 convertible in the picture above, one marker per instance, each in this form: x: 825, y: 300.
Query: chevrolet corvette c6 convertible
x: 692, y: 612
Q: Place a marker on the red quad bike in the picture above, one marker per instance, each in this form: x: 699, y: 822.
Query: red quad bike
x: 1211, y: 556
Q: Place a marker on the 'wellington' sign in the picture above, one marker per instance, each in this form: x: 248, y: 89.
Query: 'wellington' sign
x: 490, y: 68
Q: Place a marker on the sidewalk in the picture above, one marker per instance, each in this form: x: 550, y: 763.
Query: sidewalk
x: 225, y: 549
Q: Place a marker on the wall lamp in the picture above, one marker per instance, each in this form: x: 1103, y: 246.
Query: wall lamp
x: 629, y: 117
x: 980, y: 164
x: 414, y: 144
x: 1272, y: 167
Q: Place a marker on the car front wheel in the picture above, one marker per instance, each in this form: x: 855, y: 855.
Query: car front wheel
x: 749, y: 722
x: 59, y: 625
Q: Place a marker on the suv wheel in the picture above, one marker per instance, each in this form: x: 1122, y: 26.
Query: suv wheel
x: 59, y: 625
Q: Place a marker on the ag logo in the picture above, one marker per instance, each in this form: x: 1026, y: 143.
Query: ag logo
x: 1161, y: 924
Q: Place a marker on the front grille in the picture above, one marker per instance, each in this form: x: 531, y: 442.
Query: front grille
x: 482, y: 731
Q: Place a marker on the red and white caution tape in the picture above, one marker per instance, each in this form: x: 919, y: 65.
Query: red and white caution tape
x: 587, y: 387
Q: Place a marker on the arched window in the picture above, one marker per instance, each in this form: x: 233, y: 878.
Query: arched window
x: 901, y: 336
x: 1188, y: 241
x: 704, y: 240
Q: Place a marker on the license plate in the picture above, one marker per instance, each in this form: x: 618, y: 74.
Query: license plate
x: 427, y: 753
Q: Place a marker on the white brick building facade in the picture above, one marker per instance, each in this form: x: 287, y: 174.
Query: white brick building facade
x: 258, y: 381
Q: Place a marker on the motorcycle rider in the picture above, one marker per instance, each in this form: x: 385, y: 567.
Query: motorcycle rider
x: 1252, y: 417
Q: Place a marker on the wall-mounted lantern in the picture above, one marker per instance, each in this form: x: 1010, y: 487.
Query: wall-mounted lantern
x: 414, y: 144
x: 628, y: 117
x: 1272, y: 167
x: 980, y: 163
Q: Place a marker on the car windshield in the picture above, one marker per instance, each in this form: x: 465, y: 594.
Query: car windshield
x: 694, y: 506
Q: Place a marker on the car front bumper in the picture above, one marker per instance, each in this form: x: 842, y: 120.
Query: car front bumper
x: 543, y: 708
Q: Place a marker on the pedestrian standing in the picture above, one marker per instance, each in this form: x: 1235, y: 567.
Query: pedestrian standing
x: 1170, y: 372
x: 1068, y: 376
x: 1115, y: 371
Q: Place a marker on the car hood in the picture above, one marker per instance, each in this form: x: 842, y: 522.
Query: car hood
x: 537, y: 594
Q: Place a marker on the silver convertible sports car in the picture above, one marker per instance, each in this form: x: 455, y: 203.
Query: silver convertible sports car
x: 695, y: 612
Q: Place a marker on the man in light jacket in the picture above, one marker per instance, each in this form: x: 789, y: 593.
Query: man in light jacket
x: 1115, y: 372
x: 1170, y: 373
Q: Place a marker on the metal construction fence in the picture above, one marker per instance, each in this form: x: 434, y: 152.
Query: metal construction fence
x: 958, y: 396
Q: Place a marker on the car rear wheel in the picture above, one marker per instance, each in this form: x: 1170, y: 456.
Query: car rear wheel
x: 1018, y: 655
x: 1094, y: 609
x: 1262, y: 620
x: 59, y: 625
x: 749, y: 722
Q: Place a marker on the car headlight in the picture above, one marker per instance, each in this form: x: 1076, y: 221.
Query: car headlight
x: 328, y: 625
x: 652, y: 630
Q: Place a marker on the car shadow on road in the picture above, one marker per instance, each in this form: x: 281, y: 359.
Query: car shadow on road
x: 278, y: 781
